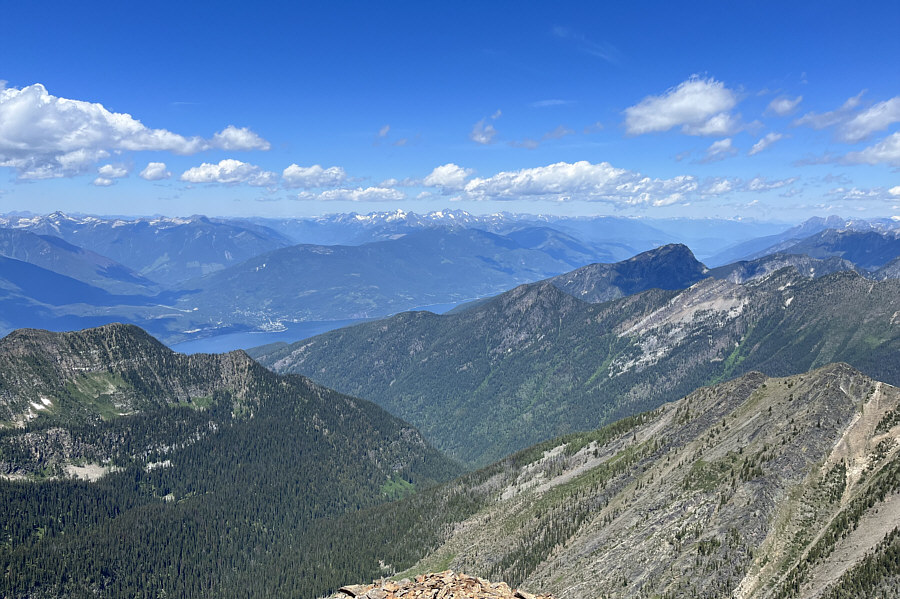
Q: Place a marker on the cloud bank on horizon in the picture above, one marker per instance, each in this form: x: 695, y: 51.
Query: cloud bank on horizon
x: 704, y: 143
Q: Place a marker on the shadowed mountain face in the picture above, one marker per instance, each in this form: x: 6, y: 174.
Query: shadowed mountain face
x: 756, y: 488
x: 535, y: 362
x: 61, y: 257
x: 868, y: 250
x: 667, y: 267
x: 179, y: 446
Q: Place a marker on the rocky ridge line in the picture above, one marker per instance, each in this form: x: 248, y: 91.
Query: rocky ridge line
x: 441, y: 585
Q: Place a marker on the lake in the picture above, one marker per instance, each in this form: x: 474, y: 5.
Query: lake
x: 295, y: 331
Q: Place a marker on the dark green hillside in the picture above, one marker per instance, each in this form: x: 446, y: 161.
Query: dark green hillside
x: 212, y: 470
x: 535, y: 362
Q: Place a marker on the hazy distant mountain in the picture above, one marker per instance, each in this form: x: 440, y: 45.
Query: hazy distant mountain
x: 770, y: 244
x: 208, y: 470
x: 433, y: 266
x: 868, y: 250
x: 748, y: 270
x: 165, y: 250
x: 536, y: 362
x: 755, y: 488
x: 629, y: 235
x: 61, y: 257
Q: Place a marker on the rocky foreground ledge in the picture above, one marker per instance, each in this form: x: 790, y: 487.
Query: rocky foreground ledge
x: 442, y: 585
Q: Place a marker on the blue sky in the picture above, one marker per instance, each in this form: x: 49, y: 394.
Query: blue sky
x: 774, y: 111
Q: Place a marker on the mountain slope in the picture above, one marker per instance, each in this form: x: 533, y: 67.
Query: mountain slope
x: 54, y: 254
x: 209, y: 470
x: 868, y: 250
x: 769, y: 244
x: 307, y: 282
x: 667, y: 267
x: 535, y: 362
x: 754, y: 488
x: 165, y: 250
x: 748, y: 270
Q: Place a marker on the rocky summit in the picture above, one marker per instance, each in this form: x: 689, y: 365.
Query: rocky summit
x: 441, y: 585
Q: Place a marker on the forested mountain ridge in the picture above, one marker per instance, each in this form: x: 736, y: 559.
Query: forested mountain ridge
x: 670, y: 266
x: 209, y: 471
x: 535, y: 362
x: 756, y: 488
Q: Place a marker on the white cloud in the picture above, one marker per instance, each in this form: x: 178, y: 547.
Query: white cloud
x: 887, y: 151
x: 720, y: 150
x: 368, y: 194
x: 384, y: 131
x: 43, y: 136
x: 313, y: 176
x: 110, y: 171
x: 229, y: 172
x: 155, y: 171
x: 717, y: 187
x: 699, y: 106
x: 448, y: 176
x: 764, y: 143
x: 856, y: 193
x: 829, y: 119
x: 232, y: 138
x: 483, y: 133
x: 866, y: 122
x: 763, y: 184
x: 894, y: 191
x: 783, y: 106
x: 582, y: 181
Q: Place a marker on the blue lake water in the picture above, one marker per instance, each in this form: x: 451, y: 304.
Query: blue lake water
x: 295, y: 331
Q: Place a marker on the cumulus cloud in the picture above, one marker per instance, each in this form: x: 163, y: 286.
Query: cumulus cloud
x: 764, y: 143
x: 313, y: 176
x: 829, y: 119
x: 155, y: 171
x: 783, y: 106
x: 866, y: 122
x: 448, y: 176
x: 43, y: 136
x: 582, y: 181
x: 698, y: 106
x: 894, y: 191
x: 887, y: 151
x: 483, y: 133
x: 229, y: 172
x: 720, y: 150
x: 368, y: 194
x: 111, y: 171
x: 232, y: 138
x: 108, y: 173
x: 763, y: 184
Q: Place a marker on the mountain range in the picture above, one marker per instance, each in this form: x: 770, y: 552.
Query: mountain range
x: 536, y: 362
